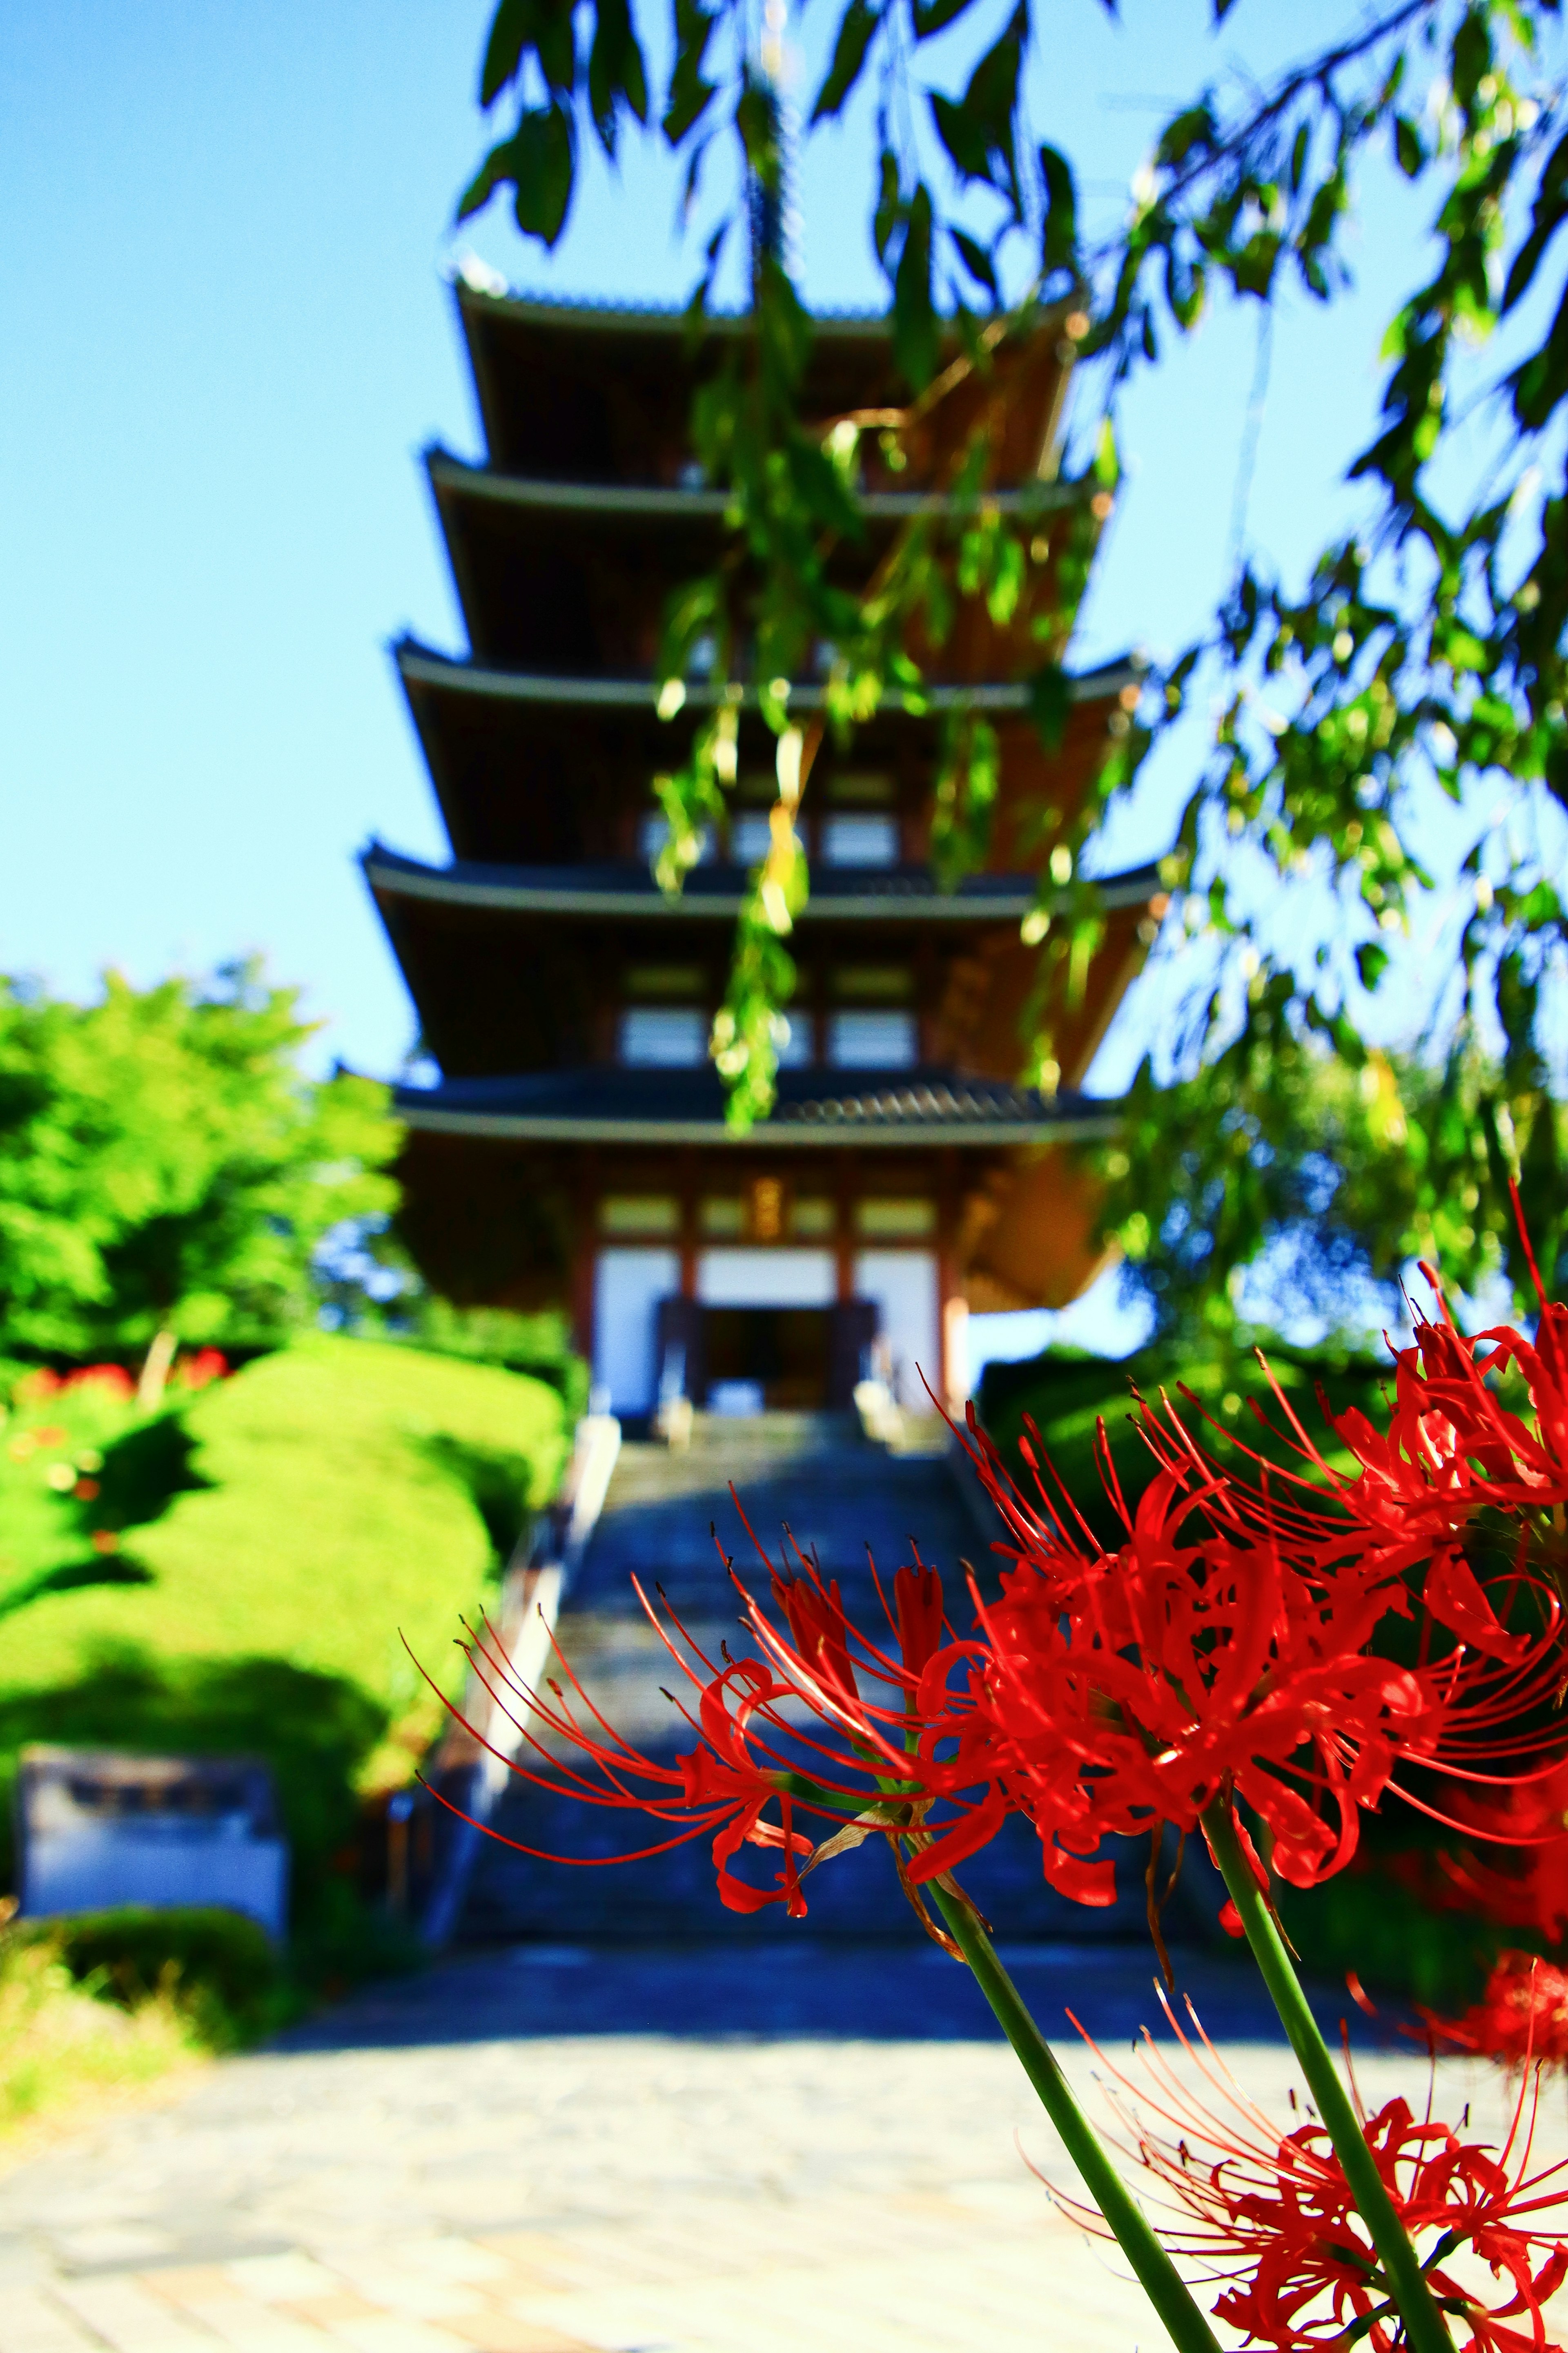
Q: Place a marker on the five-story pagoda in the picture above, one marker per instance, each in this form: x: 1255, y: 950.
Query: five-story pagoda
x: 576, y: 1149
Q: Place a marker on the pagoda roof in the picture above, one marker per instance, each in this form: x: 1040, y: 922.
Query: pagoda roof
x: 577, y: 575
x: 421, y: 665
x: 816, y: 1107
x: 502, y: 743
x: 520, y: 969
x: 626, y: 890
x: 611, y: 313
x: 658, y: 502
x: 587, y: 390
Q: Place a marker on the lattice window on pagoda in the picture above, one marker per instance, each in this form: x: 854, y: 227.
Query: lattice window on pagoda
x: 639, y: 1213
x: 794, y: 1048
x: 895, y: 1220
x: 873, y: 1026
x: 875, y: 1039
x: 859, y: 838
x: 815, y: 1220
x: 664, y: 1037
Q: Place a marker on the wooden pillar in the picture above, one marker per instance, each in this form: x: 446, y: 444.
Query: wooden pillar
x: 585, y: 1254
x: 689, y: 1189
x: 952, y: 1308
x: 847, y: 1190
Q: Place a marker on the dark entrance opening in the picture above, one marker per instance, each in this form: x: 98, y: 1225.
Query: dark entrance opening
x: 784, y: 1349
x: 803, y: 1358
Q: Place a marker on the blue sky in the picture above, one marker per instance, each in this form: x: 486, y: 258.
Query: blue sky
x: 228, y: 333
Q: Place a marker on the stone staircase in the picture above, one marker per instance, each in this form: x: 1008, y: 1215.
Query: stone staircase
x: 839, y: 1494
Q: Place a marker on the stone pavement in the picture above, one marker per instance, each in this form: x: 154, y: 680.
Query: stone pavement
x: 435, y: 2174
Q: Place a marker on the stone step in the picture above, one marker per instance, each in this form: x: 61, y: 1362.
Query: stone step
x: 838, y: 1495
x: 665, y: 1516
x: 855, y: 1897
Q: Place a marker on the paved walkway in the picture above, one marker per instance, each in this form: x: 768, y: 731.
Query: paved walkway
x: 459, y: 2190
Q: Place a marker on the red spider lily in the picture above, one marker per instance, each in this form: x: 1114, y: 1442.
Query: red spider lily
x: 818, y: 1726
x: 1224, y: 1646
x: 1522, y: 2016
x: 1228, y: 1648
x: 1452, y: 1448
x: 1522, y: 1881
x: 1272, y: 2214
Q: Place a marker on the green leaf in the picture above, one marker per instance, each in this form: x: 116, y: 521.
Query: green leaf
x: 932, y: 16
x: 977, y: 128
x: 1252, y: 269
x: 1409, y: 153
x: 616, y: 76
x: 1058, y: 230
x: 1371, y: 963
x: 1547, y: 214
x: 961, y: 135
x: 690, y: 94
x: 499, y: 165
x: 820, y: 487
x: 1462, y: 649
x: 977, y: 261
x: 541, y: 171
x: 1471, y: 55
x: 510, y: 29
x: 757, y: 121
x: 916, y: 339
x: 1007, y: 577
x: 1298, y: 154
x: 1541, y: 382
x: 1194, y: 127
x: 634, y: 77
x: 1050, y: 705
x: 558, y: 44
x: 890, y: 207
x: 858, y: 22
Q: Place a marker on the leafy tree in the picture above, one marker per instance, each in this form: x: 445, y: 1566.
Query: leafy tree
x: 369, y: 1286
x: 1427, y: 647
x: 1343, y: 1171
x: 166, y: 1169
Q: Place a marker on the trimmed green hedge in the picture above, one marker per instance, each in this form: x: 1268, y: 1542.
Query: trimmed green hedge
x: 224, y: 1964
x: 244, y: 1571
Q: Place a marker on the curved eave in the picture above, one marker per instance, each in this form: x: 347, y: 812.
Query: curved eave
x: 420, y: 666
x: 591, y: 317
x: 453, y: 477
x: 672, y: 319
x: 869, y: 1129
x: 641, y: 899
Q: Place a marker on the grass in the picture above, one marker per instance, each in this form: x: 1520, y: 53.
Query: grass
x: 235, y: 1573
x: 67, y: 2052
x: 98, y: 2010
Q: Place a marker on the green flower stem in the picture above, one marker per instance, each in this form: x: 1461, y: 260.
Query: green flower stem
x: 1185, y: 2321
x: 1425, y: 2328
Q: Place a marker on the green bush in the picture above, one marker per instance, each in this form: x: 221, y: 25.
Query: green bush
x: 223, y: 1966
x: 240, y: 1574
x: 1366, y: 1920
x: 539, y: 1344
x: 65, y: 2048
x: 1066, y: 1394
x: 315, y: 1730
